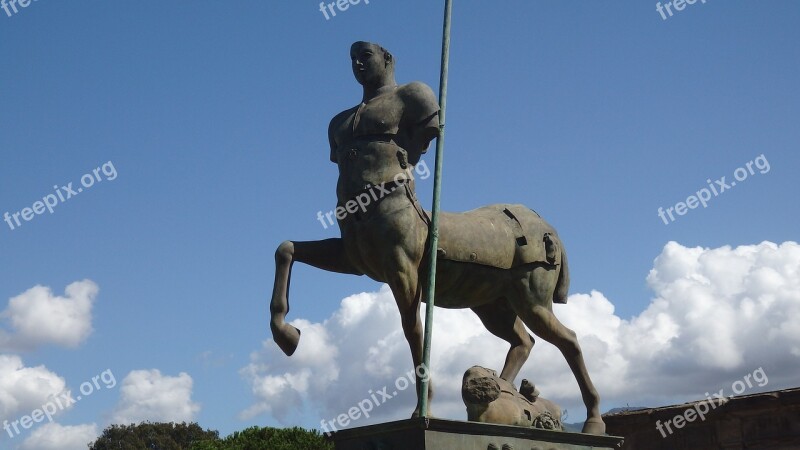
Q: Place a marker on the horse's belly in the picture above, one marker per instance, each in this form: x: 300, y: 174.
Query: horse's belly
x: 465, y: 285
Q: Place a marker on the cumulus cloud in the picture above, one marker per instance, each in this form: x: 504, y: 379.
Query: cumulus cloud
x: 38, y: 317
x: 147, y: 395
x: 23, y: 389
x: 53, y: 436
x: 716, y: 316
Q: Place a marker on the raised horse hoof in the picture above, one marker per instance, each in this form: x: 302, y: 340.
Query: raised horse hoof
x: 287, y: 337
x: 594, y: 426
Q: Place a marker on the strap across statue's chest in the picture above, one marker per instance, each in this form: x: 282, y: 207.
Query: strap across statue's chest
x: 379, y: 116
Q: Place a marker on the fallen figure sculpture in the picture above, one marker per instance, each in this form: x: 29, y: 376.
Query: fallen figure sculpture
x: 491, y: 399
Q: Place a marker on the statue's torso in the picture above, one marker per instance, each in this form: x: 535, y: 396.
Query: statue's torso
x: 368, y: 144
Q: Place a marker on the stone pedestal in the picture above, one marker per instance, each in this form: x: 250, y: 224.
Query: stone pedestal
x: 436, y: 434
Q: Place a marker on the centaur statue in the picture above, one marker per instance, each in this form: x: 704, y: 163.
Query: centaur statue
x: 502, y: 261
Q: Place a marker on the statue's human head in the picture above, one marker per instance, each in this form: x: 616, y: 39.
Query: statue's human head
x: 373, y: 65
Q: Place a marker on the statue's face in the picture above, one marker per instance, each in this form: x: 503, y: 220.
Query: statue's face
x: 369, y: 63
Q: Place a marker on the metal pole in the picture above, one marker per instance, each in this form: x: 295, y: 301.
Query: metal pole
x: 434, y: 227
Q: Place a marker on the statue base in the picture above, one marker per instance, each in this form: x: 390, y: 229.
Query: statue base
x: 423, y: 434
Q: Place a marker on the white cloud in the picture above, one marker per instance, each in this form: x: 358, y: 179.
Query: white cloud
x: 23, y: 389
x: 717, y: 316
x: 53, y: 436
x: 146, y: 395
x: 37, y: 317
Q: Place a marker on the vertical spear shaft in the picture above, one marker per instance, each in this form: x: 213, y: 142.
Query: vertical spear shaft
x: 434, y: 226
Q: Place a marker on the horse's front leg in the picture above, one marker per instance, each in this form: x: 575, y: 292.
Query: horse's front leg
x: 328, y: 254
x: 408, y: 295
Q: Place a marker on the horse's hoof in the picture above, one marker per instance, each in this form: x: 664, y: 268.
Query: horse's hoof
x: 286, y: 336
x: 594, y: 425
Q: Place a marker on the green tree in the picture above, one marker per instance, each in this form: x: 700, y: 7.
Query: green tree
x: 257, y: 438
x: 155, y: 436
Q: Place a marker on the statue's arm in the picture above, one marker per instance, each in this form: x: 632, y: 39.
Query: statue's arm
x: 333, y: 128
x: 429, y: 128
x: 421, y: 115
x: 340, y: 130
x: 332, y: 141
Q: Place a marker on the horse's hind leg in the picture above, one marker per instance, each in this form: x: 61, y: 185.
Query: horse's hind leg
x: 500, y: 319
x: 535, y: 307
x: 328, y: 254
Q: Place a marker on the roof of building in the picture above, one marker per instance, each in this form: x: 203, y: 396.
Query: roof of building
x: 785, y: 396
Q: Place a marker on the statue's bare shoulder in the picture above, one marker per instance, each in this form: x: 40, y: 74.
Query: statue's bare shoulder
x: 420, y: 116
x: 419, y: 100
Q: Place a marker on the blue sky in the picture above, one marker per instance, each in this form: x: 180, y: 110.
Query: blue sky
x: 214, y: 117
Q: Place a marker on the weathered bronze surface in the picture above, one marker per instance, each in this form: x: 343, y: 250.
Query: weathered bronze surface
x: 502, y: 261
x: 491, y: 399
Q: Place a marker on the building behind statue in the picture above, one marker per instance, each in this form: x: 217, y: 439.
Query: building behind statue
x: 765, y: 421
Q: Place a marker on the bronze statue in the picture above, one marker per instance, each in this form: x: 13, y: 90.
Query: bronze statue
x: 491, y: 399
x: 502, y: 261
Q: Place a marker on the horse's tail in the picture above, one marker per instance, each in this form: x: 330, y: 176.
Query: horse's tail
x: 562, y: 285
